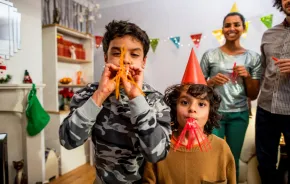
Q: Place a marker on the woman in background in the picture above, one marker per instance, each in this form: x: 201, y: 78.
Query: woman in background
x: 234, y: 72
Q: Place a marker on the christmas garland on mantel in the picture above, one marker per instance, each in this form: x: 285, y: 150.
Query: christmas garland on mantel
x: 5, y: 80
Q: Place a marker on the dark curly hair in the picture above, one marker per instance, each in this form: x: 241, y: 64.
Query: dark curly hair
x: 195, y: 90
x: 278, y: 5
x: 121, y: 28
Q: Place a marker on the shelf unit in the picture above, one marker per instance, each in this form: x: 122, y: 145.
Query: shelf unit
x: 54, y: 68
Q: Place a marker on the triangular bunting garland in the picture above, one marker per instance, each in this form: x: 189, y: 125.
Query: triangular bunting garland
x: 196, y: 39
x: 99, y: 40
x: 267, y: 20
x: 235, y: 8
x: 176, y: 41
x: 219, y: 35
x: 154, y: 43
x: 246, y: 29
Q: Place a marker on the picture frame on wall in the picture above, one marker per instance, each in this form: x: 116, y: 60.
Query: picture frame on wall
x: 10, y: 37
x: 4, y: 29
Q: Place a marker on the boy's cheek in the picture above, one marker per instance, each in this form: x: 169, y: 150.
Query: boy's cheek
x: 113, y: 60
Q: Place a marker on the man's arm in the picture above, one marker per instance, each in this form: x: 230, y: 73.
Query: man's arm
x: 152, y: 120
x: 76, y: 127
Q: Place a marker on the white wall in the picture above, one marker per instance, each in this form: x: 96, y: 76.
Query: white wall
x: 164, y: 18
x: 30, y: 56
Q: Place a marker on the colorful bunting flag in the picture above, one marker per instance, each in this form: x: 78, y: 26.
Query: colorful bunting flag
x: 196, y: 39
x: 154, y: 43
x: 176, y: 41
x: 219, y: 35
x: 267, y: 20
x: 235, y: 8
x: 246, y: 29
x: 99, y: 40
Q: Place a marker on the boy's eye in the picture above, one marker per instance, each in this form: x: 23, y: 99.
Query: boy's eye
x: 202, y: 104
x: 183, y: 102
x: 116, y: 54
x: 135, y: 55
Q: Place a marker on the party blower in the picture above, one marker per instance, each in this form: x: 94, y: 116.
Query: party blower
x: 193, y: 132
x: 123, y: 72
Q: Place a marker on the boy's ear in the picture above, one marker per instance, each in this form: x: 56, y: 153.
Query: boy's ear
x: 106, y: 58
x: 144, y: 62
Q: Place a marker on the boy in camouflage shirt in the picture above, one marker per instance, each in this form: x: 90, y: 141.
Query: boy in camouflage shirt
x: 125, y: 132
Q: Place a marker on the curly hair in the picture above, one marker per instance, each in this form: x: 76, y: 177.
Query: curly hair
x: 121, y: 28
x: 278, y: 5
x: 172, y: 94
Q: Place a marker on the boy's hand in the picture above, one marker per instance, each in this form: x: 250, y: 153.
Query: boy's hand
x: 284, y: 65
x: 242, y: 71
x: 219, y: 79
x: 137, y: 74
x: 106, y: 85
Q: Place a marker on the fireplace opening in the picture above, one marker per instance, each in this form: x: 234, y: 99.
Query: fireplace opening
x: 3, y: 159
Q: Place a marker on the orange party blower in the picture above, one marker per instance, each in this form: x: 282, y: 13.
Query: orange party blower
x: 123, y: 72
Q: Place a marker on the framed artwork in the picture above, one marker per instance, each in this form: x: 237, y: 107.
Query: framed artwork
x: 10, y: 39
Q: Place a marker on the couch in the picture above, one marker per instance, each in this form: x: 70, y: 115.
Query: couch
x: 248, y: 160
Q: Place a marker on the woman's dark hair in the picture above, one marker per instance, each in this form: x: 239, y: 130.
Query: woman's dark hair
x: 121, y: 28
x: 195, y: 90
x: 236, y: 14
x: 278, y: 5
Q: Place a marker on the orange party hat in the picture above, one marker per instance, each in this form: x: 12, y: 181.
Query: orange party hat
x: 193, y: 73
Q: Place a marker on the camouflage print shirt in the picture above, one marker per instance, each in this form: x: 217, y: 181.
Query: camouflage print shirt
x: 125, y: 132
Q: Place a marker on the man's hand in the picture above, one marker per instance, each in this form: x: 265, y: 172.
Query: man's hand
x: 242, y: 71
x: 219, y: 79
x: 106, y: 85
x: 137, y: 74
x: 284, y: 65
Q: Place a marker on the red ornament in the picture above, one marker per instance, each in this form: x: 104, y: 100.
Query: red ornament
x: 99, y: 40
x: 27, y: 78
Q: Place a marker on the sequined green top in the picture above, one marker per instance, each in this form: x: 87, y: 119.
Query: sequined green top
x: 233, y: 93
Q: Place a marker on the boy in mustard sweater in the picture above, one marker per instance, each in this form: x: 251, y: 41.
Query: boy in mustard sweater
x: 194, y: 165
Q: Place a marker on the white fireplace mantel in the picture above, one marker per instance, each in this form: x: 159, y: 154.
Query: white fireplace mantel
x: 13, y: 121
x: 20, y: 86
x: 13, y: 96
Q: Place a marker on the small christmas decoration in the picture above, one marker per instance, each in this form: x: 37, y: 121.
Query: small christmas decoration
x: 27, y: 79
x: 72, y: 50
x: 66, y: 98
x: 4, y: 77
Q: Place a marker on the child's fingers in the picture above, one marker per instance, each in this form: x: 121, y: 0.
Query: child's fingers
x: 136, y: 69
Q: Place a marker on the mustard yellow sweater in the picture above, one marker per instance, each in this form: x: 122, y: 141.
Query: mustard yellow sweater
x: 193, y: 166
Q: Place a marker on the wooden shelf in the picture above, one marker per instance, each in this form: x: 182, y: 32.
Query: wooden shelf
x: 63, y: 59
x: 68, y: 31
x: 71, y: 85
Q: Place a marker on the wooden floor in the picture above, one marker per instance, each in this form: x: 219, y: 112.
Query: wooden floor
x: 83, y: 175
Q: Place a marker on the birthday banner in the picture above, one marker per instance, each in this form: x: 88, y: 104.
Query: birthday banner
x: 196, y: 38
x: 153, y: 43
